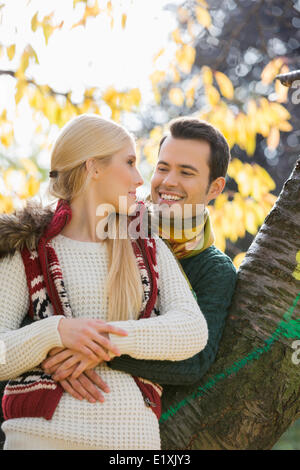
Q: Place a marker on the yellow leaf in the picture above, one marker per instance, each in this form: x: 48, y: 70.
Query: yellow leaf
x: 11, y: 50
x: 212, y: 95
x: 32, y: 186
x: 225, y: 85
x: 203, y: 16
x: 29, y: 166
x: 273, y: 138
x: 281, y: 92
x: 157, y: 76
x: 176, y: 36
x: 6, y: 204
x: 296, y: 272
x: 185, y: 57
x: 207, y: 76
x: 271, y: 70
x: 7, y: 138
x: 34, y: 22
x: 124, y: 20
x: 285, y: 126
x: 279, y: 112
x: 159, y: 53
x: 176, y: 96
x: 237, y: 261
x: 190, y: 91
x: 175, y: 73
x: 24, y: 62
x: 203, y: 3
x: 20, y: 88
x: 156, y: 134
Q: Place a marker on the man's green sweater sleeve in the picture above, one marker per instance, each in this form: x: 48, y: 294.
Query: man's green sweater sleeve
x: 213, y: 277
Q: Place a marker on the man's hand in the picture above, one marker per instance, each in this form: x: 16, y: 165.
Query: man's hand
x: 88, y: 383
x: 86, y: 387
x: 62, y: 361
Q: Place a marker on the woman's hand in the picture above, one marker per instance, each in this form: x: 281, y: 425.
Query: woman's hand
x: 89, y: 337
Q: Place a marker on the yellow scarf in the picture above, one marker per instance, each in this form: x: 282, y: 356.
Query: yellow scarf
x: 189, y: 242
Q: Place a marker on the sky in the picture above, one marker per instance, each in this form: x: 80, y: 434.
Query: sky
x: 82, y: 57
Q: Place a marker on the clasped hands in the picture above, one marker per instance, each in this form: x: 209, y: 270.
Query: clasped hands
x: 85, y: 345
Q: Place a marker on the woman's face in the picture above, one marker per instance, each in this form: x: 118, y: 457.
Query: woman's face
x: 117, y: 181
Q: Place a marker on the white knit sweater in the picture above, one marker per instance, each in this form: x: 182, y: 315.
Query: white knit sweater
x: 123, y: 421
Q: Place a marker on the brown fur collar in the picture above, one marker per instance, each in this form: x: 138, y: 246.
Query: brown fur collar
x: 23, y: 227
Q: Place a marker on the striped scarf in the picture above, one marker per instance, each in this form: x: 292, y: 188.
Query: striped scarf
x: 34, y: 393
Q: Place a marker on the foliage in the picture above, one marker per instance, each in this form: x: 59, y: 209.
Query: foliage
x: 189, y: 83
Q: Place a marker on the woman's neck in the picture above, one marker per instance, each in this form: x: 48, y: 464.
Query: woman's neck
x: 83, y: 224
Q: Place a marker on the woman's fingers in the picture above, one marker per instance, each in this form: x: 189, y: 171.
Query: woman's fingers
x: 107, y: 328
x: 103, y: 341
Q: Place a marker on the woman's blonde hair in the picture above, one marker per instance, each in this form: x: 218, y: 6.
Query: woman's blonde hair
x: 84, y: 137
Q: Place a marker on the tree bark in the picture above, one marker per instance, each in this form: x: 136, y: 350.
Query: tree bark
x: 256, y: 397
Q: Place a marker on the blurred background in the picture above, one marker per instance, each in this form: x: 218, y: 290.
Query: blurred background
x: 143, y: 63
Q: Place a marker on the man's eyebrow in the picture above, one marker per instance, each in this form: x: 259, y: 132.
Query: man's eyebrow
x: 189, y: 167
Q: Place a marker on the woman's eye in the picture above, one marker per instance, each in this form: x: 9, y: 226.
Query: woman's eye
x: 131, y: 162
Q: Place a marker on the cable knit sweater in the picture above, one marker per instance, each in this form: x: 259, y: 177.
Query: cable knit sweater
x: 123, y: 421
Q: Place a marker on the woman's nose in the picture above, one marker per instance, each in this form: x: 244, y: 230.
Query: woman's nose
x: 139, y: 179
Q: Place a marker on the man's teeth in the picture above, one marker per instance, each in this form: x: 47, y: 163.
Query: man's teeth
x: 169, y: 196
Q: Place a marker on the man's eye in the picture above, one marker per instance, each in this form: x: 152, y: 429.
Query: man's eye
x: 162, y: 169
x: 131, y: 162
x: 186, y: 173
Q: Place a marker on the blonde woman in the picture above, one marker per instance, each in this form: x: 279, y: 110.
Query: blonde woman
x: 91, y: 299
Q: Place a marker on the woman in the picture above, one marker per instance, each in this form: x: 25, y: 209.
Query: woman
x: 92, y: 298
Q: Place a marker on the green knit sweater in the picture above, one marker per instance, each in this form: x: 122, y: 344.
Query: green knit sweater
x: 213, y: 277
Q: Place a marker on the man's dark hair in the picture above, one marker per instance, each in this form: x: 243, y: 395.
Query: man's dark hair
x: 195, y: 129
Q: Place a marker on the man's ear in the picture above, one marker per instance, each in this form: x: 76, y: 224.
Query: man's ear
x: 215, y: 188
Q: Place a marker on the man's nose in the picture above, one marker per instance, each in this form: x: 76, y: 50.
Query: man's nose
x: 170, y: 180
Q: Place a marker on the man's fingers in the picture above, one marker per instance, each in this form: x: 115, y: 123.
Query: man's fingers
x: 52, y: 361
x: 90, y: 387
x: 63, y: 374
x: 67, y: 387
x: 96, y: 379
x: 79, y: 369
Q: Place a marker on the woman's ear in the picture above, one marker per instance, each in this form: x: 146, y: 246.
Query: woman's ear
x: 91, y: 166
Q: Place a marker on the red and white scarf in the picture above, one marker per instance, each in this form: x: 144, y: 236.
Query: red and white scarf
x: 34, y: 393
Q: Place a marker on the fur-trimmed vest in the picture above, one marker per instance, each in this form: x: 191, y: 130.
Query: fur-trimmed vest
x: 30, y: 231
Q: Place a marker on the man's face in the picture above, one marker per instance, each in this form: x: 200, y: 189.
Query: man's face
x: 182, y: 172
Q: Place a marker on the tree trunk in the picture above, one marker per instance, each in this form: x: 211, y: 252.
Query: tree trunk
x: 251, y: 394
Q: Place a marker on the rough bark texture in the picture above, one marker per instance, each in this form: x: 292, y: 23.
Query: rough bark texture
x: 253, y: 403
